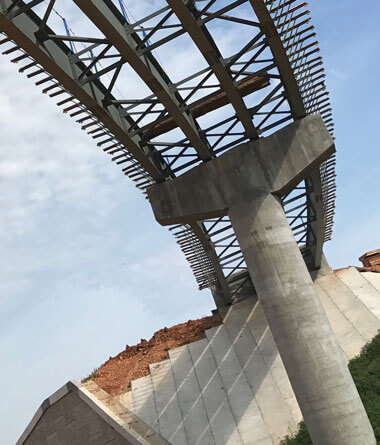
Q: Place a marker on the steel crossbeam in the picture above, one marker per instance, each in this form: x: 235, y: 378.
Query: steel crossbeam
x: 211, y: 53
x: 102, y: 17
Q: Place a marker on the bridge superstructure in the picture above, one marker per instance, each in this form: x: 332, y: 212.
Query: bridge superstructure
x: 217, y: 130
x: 171, y: 119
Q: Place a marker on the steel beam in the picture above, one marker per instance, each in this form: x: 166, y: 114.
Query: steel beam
x: 298, y: 111
x: 212, y: 102
x: 102, y: 16
x: 213, y: 57
x: 55, y: 60
x: 281, y: 58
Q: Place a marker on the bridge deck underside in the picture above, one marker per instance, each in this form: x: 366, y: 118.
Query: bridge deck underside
x: 200, y: 77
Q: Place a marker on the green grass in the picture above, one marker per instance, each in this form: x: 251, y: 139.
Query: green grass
x: 365, y: 370
x: 301, y: 437
x: 93, y: 375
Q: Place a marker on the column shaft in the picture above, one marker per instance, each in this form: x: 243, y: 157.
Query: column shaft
x: 325, y: 391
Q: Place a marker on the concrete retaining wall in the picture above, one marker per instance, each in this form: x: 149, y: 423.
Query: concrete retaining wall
x: 85, y: 414
x: 231, y: 387
x: 73, y: 421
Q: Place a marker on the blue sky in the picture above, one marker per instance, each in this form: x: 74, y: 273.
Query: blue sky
x: 85, y: 269
x: 349, y: 37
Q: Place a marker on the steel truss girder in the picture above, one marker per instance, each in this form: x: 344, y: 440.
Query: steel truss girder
x: 280, y: 56
x: 297, y: 106
x: 283, y: 25
x: 210, y: 52
x: 101, y: 15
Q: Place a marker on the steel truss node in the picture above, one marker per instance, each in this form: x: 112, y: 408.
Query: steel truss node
x: 166, y: 125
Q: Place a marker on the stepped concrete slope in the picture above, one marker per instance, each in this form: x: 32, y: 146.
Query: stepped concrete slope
x: 228, y: 388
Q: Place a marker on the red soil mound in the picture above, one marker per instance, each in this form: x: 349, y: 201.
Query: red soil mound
x: 117, y: 373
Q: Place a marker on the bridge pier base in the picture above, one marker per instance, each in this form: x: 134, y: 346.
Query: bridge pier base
x: 244, y: 183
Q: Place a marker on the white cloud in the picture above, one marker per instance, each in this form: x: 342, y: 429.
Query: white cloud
x: 84, y: 268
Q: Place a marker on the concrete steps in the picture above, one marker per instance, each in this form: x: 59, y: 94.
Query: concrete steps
x: 263, y: 337
x: 247, y: 415
x: 127, y: 419
x: 231, y: 387
x: 143, y: 403
x: 216, y: 402
x: 265, y: 385
x: 170, y: 419
x: 373, y: 278
x: 350, y: 303
x: 348, y: 337
x: 195, y: 420
x: 361, y: 287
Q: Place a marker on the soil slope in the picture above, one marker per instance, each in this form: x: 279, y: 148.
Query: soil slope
x: 117, y: 373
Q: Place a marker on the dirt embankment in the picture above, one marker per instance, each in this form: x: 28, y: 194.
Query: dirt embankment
x: 117, y: 373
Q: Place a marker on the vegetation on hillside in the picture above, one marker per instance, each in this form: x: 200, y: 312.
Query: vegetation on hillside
x: 94, y: 374
x: 365, y: 370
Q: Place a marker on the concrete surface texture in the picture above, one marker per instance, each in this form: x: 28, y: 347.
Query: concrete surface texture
x: 329, y: 401
x: 232, y: 387
x: 244, y: 183
x: 228, y: 388
x: 78, y: 415
x: 274, y: 164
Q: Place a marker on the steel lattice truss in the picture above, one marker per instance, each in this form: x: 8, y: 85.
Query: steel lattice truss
x: 227, y: 91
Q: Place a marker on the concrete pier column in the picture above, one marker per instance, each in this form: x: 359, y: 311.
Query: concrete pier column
x: 245, y: 184
x: 327, y: 396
